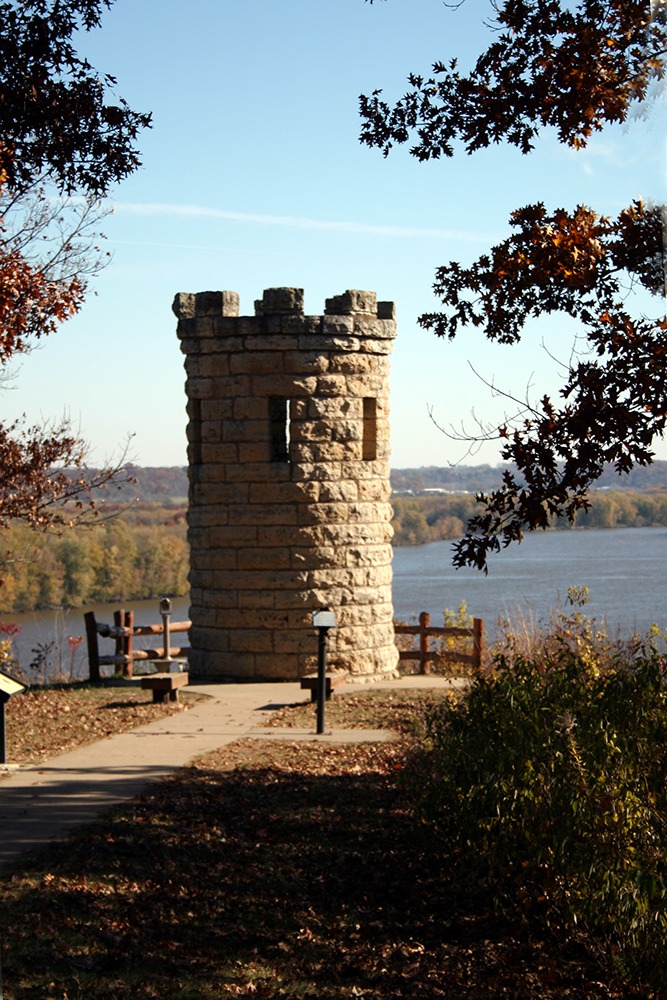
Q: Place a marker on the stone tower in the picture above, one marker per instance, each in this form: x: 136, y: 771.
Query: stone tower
x: 288, y: 448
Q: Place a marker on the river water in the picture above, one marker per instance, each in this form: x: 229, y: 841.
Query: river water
x: 625, y: 570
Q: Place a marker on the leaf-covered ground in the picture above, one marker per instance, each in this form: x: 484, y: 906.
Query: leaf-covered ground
x: 45, y: 722
x: 272, y: 870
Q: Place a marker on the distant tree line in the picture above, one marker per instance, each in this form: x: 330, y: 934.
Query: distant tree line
x: 421, y: 519
x: 169, y: 484
x: 143, y: 553
x: 476, y: 478
x: 131, y: 557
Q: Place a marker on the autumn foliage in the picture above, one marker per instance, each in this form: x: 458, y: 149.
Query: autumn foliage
x: 61, y: 135
x: 614, y: 398
x: 573, y: 68
x: 551, y: 65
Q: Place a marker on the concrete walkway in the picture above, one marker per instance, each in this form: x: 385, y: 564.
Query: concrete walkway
x: 47, y: 801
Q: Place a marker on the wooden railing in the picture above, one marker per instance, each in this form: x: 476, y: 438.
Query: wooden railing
x: 123, y: 631
x: 426, y: 655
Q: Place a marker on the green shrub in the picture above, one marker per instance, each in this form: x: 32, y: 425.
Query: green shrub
x: 547, y: 786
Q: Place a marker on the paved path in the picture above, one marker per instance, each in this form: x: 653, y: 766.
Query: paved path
x: 45, y: 802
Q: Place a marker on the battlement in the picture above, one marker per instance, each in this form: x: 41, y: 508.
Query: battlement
x: 281, y: 302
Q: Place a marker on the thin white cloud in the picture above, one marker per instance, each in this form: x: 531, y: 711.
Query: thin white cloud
x: 189, y: 211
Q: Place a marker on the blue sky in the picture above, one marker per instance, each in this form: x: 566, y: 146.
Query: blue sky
x: 253, y: 177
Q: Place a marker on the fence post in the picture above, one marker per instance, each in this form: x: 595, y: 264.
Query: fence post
x: 478, y: 641
x: 424, y: 641
x: 93, y: 647
x: 129, y: 624
x: 119, y: 650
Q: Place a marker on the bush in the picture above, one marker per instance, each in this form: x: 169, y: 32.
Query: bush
x: 547, y: 787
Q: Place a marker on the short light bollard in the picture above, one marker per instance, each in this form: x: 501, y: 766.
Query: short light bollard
x: 323, y: 620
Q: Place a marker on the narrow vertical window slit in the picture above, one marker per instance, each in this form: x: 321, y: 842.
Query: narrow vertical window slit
x: 369, y: 439
x: 279, y: 429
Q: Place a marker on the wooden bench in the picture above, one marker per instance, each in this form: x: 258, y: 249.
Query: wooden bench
x: 309, y: 682
x: 164, y: 684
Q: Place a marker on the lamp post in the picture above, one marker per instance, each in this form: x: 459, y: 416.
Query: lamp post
x: 323, y: 620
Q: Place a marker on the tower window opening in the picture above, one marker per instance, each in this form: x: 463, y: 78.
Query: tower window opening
x: 369, y: 438
x: 279, y: 429
x: 195, y: 432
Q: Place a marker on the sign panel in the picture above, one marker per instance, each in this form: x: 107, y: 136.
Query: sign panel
x: 10, y: 686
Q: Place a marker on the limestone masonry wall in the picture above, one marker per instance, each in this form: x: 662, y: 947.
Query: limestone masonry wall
x: 288, y: 449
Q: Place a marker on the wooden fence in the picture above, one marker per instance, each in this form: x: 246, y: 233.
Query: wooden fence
x: 123, y: 632
x: 426, y: 655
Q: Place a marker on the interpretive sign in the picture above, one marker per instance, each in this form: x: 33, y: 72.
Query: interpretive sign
x: 8, y: 686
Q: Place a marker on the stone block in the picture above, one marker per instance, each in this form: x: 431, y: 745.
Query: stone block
x: 324, y: 513
x: 345, y: 430
x: 258, y: 472
x: 254, y: 452
x: 219, y: 455
x: 216, y: 410
x: 233, y: 664
x: 220, y: 493
x: 332, y: 385
x: 183, y: 306
x: 334, y: 326
x: 374, y: 489
x: 253, y: 599
x: 213, y: 303
x: 282, y: 385
x: 320, y: 472
x: 346, y: 491
x: 335, y: 345
x: 284, y: 666
x: 333, y: 408
x: 220, y: 600
x: 325, y: 451
x: 352, y: 301
x: 289, y: 492
x: 270, y: 535
x: 368, y: 555
x: 256, y: 514
x: 302, y: 640
x: 280, y: 300
x: 375, y: 331
x: 255, y: 618
x: 233, y: 536
x: 273, y: 343
x: 257, y: 363
x: 199, y: 388
x: 358, y: 364
x: 264, y: 558
x: 368, y: 385
x: 244, y: 430
x: 200, y: 580
x: 300, y: 599
x: 314, y: 557
x: 305, y: 363
x: 249, y: 640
